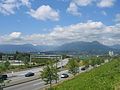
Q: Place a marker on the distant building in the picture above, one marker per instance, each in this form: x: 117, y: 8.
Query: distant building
x: 45, y: 56
x: 111, y: 53
x: 8, y: 57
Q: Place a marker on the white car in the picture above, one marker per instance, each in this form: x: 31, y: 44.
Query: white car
x: 64, y: 75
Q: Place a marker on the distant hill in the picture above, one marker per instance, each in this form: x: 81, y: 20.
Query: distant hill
x: 70, y: 48
x: 25, y: 48
x: 45, y: 47
x: 20, y: 48
x: 85, y: 47
x: 117, y: 46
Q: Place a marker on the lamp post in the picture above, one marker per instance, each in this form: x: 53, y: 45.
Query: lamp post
x: 61, y: 62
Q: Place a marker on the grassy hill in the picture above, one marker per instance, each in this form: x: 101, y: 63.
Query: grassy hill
x: 105, y: 77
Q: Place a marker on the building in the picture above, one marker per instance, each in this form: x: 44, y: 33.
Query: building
x: 111, y: 53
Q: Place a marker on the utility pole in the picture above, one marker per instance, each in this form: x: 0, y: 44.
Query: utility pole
x: 56, y: 69
x: 61, y: 62
x: 30, y: 59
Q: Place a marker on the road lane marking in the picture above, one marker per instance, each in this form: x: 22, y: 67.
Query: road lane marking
x: 36, y: 84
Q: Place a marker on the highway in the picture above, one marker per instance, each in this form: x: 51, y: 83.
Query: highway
x: 16, y: 76
x: 35, y: 70
x: 39, y: 84
x: 32, y: 85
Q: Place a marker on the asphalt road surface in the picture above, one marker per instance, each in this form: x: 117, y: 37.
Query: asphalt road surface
x: 39, y: 84
x: 32, y: 85
x: 21, y: 75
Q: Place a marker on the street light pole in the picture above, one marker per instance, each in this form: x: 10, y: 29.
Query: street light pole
x: 61, y: 62
x: 30, y: 59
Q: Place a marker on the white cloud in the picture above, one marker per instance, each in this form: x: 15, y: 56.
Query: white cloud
x: 89, y: 31
x: 26, y: 3
x: 15, y: 34
x: 45, y: 12
x: 117, y: 17
x: 83, y: 2
x: 75, y: 4
x: 73, y: 9
x: 106, y: 3
x: 12, y: 38
x: 8, y: 7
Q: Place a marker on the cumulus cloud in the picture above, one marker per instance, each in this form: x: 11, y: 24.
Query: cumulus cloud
x: 73, y: 9
x: 44, y: 12
x: 14, y: 37
x: 75, y: 4
x: 8, y: 7
x: 89, y: 31
x: 15, y: 34
x: 26, y: 3
x: 83, y: 2
x: 106, y: 3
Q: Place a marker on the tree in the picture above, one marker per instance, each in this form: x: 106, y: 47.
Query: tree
x: 96, y: 60
x: 1, y: 79
x: 7, y: 64
x: 24, y: 57
x: 49, y: 73
x: 2, y: 68
x: 65, y: 56
x: 26, y: 60
x: 86, y: 63
x: 73, y: 66
x: 19, y: 56
x: 1, y: 83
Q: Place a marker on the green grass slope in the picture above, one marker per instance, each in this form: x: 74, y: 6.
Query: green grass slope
x: 105, y: 77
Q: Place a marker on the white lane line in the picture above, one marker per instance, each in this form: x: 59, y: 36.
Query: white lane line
x: 36, y: 84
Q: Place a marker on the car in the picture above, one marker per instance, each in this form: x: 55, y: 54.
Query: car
x: 64, y: 75
x: 3, y: 77
x: 29, y: 74
x: 83, y: 68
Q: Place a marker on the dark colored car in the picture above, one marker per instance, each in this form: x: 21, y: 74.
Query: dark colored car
x: 83, y: 68
x: 3, y: 77
x: 64, y: 75
x: 29, y: 74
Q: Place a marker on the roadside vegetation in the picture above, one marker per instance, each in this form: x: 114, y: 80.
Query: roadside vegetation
x: 49, y: 73
x: 73, y: 66
x: 6, y: 66
x: 105, y: 77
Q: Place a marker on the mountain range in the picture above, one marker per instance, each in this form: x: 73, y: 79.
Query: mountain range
x: 74, y: 47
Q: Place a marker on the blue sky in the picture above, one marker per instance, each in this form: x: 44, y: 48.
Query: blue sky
x: 49, y: 22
